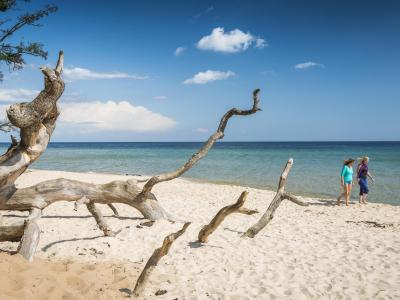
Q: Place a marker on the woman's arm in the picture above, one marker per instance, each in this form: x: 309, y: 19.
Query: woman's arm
x: 370, y: 176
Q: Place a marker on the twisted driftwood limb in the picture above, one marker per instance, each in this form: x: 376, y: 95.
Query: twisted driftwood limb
x: 31, y: 236
x: 155, y: 258
x: 219, y: 134
x: 48, y: 192
x: 36, y: 121
x: 279, y: 197
x: 222, y: 214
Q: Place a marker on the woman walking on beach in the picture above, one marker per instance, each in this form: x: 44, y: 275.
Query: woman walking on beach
x: 362, y: 177
x: 346, y: 180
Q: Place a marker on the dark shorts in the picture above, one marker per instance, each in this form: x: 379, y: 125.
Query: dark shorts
x: 363, y: 186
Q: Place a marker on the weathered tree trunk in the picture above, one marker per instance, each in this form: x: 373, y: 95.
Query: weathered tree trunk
x: 279, y: 197
x: 207, y: 230
x: 36, y: 121
x: 47, y: 192
x: 155, y: 258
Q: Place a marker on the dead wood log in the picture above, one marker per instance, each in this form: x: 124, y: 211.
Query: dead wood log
x: 48, y: 192
x: 222, y: 214
x: 31, y: 236
x: 279, y: 197
x: 155, y: 258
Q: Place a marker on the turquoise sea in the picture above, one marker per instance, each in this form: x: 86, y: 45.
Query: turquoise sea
x: 316, y: 169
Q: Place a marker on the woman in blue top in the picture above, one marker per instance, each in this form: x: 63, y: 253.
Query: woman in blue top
x: 346, y: 180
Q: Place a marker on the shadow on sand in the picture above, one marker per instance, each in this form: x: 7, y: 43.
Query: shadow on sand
x: 45, y: 248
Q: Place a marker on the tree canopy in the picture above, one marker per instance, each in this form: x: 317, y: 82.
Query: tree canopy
x: 12, y: 54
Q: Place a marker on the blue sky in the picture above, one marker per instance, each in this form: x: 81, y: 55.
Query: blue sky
x: 327, y: 70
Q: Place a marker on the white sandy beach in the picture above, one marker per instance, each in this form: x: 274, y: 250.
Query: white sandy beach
x: 317, y: 252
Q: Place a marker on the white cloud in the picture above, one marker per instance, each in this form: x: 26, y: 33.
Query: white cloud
x: 111, y: 115
x: 86, y: 74
x: 3, y: 113
x: 179, y: 51
x: 160, y: 97
x: 230, y: 42
x: 202, y: 130
x: 16, y: 95
x: 260, y: 43
x: 208, y: 76
x: 308, y: 64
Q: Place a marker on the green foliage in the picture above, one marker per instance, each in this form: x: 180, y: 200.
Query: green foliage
x: 13, y: 54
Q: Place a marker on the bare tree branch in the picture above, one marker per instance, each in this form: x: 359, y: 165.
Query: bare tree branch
x: 114, y: 209
x: 98, y: 216
x: 294, y: 199
x: 279, y: 197
x: 207, y: 230
x: 155, y: 258
x: 219, y: 134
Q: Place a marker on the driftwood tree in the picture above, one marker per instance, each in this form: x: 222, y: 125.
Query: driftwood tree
x: 279, y: 197
x: 36, y: 121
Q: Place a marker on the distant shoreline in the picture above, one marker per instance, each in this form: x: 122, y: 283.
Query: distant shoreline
x: 315, y: 173
x: 202, y: 141
x: 271, y: 189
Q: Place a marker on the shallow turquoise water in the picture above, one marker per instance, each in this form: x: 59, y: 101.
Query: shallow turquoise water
x: 316, y: 167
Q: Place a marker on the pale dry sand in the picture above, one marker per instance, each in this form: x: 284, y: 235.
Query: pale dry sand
x: 317, y: 252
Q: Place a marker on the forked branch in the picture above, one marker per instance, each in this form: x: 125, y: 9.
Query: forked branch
x: 279, y: 197
x: 222, y: 214
x: 219, y: 134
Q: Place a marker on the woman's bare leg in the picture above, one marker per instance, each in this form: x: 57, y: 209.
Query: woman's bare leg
x: 365, y: 198
x: 348, y: 192
x: 341, y: 196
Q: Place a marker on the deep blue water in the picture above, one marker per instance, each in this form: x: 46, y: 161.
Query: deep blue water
x: 316, y: 169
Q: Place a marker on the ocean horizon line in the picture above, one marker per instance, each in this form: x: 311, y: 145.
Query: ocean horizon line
x: 224, y: 141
